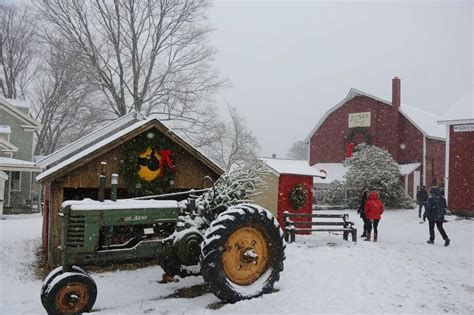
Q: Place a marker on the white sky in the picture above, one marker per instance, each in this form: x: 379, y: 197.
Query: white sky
x: 290, y: 61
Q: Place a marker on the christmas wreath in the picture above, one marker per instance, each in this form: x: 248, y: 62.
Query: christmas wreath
x: 298, y: 196
x: 146, y: 164
x: 359, y: 130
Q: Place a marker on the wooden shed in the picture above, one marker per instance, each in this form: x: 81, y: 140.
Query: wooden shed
x: 149, y: 158
x: 289, y: 187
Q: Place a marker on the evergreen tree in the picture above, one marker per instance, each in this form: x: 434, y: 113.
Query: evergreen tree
x: 375, y: 168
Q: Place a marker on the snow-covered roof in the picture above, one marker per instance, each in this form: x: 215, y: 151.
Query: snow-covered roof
x: 7, y: 145
x: 7, y: 105
x: 3, y: 175
x: 424, y: 121
x: 5, y: 129
x: 89, y: 204
x: 336, y: 171
x: 293, y: 167
x: 463, y: 109
x: 406, y: 169
x: 9, y: 164
x: 153, y: 121
x: 16, y: 103
x: 90, y: 139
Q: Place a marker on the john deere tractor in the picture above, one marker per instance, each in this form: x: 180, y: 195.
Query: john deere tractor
x: 238, y: 250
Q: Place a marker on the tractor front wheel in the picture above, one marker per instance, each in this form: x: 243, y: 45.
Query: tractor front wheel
x: 242, y: 253
x: 70, y: 293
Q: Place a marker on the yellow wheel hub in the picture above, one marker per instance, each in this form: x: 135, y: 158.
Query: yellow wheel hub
x: 245, y: 255
x: 72, y: 298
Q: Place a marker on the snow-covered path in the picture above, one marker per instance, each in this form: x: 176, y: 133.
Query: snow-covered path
x: 323, y: 274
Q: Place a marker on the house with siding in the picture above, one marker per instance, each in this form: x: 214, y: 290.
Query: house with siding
x: 17, y: 129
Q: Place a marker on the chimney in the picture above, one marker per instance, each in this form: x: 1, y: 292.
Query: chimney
x: 396, y: 93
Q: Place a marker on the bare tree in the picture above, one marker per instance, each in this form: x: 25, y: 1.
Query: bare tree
x: 63, y: 101
x: 17, y: 50
x: 299, y: 150
x: 146, y: 55
x: 234, y: 143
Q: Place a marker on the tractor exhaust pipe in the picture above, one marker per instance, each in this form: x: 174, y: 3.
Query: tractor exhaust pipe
x: 113, y: 187
x: 101, y: 195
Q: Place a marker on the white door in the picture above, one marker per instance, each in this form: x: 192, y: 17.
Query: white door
x: 416, y: 183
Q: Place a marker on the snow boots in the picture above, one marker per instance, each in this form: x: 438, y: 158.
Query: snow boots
x: 446, y: 242
x: 367, y: 237
x: 430, y: 241
x: 375, y: 237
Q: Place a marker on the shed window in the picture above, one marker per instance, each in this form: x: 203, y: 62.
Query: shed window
x: 15, y: 181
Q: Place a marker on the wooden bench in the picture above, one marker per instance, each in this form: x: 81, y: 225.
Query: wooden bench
x: 291, y: 221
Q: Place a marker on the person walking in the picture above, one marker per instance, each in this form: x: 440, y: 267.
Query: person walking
x: 373, y: 212
x: 421, y: 197
x: 435, y: 209
x: 361, y: 210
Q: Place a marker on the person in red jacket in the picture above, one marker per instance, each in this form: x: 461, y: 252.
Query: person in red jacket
x: 373, y: 212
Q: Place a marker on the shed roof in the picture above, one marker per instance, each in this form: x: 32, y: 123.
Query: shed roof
x: 90, y: 139
x: 462, y: 111
x: 292, y: 167
x: 424, y: 121
x: 118, y: 138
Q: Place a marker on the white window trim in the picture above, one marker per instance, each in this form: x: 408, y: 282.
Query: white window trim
x: 19, y: 182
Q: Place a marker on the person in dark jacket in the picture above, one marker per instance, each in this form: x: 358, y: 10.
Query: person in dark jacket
x: 435, y: 209
x: 421, y: 197
x: 373, y: 212
x: 361, y: 211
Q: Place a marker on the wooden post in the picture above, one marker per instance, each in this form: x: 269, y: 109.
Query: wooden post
x: 101, y: 195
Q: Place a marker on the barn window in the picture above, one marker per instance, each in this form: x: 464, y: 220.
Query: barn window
x: 15, y: 181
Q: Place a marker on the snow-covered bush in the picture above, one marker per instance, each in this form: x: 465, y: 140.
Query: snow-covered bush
x: 375, y: 168
x: 234, y: 187
x: 335, y: 195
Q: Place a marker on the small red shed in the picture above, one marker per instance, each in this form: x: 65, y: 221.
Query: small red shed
x: 289, y: 187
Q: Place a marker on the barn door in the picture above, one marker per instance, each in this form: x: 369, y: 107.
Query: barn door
x: 416, y: 182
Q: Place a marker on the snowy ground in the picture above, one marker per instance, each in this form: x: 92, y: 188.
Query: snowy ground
x: 323, y: 274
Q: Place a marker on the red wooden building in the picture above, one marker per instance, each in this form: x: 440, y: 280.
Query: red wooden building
x: 289, y: 187
x: 412, y: 136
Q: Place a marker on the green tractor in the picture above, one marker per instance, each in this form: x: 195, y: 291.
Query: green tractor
x: 239, y: 249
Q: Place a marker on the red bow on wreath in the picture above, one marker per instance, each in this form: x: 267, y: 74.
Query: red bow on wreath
x: 165, y: 158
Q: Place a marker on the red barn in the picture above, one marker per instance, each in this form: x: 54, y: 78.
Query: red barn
x: 411, y: 135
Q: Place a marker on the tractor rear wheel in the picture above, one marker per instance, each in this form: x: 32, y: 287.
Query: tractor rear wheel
x: 70, y: 293
x: 242, y: 253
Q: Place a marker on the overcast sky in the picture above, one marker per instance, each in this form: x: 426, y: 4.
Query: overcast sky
x: 290, y: 61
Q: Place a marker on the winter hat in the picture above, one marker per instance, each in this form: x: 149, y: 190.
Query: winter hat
x: 435, y: 191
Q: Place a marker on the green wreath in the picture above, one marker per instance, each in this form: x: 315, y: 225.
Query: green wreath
x: 141, y: 155
x: 359, y: 130
x: 298, y: 196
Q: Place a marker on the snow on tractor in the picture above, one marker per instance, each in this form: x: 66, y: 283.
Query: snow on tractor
x: 236, y: 246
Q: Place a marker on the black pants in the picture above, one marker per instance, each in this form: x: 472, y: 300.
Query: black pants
x: 420, y: 206
x: 375, y: 224
x: 366, y: 225
x: 439, y: 225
